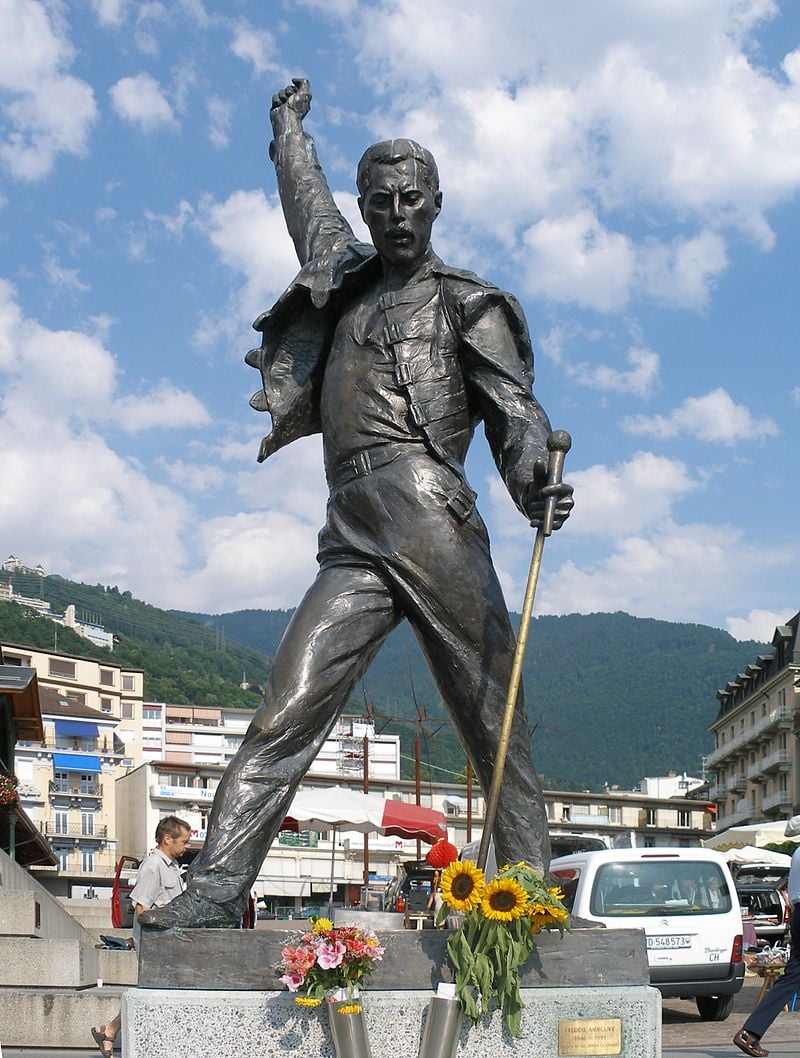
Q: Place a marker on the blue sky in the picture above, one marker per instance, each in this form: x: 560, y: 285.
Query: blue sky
x: 629, y: 168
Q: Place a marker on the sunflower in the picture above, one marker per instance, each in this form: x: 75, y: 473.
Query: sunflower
x: 504, y: 900
x: 462, y: 885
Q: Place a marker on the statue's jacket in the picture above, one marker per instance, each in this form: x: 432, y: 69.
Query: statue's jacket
x: 460, y: 345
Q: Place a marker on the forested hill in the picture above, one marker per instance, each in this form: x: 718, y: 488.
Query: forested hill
x: 613, y: 698
x: 183, y: 662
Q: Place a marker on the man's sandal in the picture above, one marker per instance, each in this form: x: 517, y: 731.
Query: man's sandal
x: 749, y: 1043
x: 100, y: 1038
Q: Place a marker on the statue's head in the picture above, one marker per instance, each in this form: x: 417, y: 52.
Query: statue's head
x: 399, y: 198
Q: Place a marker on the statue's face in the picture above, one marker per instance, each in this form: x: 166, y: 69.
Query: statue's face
x: 399, y: 209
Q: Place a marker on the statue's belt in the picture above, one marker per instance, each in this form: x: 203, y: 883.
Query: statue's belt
x: 461, y: 502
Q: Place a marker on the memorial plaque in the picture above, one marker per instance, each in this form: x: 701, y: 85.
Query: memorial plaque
x: 584, y: 1036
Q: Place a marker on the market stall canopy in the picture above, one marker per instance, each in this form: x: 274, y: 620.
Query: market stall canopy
x: 758, y: 834
x: 338, y: 808
x: 750, y: 854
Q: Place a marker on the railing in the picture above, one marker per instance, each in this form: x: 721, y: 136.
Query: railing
x: 73, y: 745
x: 54, y: 829
x: 60, y: 786
x: 782, y: 797
x: 778, y: 759
x: 102, y: 864
x: 781, y: 714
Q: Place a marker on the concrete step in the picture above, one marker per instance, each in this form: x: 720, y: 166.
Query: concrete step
x: 60, y: 1019
x: 92, y: 914
x: 27, y: 962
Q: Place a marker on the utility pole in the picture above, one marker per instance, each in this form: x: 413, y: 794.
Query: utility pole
x: 469, y: 801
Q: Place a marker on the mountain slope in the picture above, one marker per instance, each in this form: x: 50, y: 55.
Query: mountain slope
x: 611, y: 697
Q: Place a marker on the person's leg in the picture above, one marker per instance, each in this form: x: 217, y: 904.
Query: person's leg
x: 456, y: 607
x: 783, y: 989
x: 332, y: 637
x: 105, y: 1035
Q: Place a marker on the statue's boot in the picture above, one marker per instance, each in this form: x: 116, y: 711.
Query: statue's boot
x: 191, y: 910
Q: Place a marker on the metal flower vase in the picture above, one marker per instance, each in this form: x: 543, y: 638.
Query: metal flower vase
x: 442, y: 1026
x: 348, y: 1027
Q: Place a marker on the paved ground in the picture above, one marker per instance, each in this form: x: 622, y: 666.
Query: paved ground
x: 684, y: 1034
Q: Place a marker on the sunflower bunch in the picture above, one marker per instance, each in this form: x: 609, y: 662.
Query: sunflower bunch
x: 497, y: 936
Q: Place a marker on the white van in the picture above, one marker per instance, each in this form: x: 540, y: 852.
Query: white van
x: 684, y: 900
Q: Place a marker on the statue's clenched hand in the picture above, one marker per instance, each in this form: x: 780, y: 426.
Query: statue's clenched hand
x: 290, y: 105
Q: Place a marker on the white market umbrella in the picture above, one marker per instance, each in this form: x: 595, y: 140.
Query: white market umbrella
x: 758, y: 834
x: 339, y: 808
x: 750, y: 854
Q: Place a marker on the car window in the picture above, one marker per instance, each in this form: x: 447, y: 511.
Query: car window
x: 642, y: 889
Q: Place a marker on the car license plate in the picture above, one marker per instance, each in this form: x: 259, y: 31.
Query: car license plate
x: 671, y: 941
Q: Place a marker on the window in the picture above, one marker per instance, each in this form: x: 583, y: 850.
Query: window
x: 87, y: 823
x: 106, y: 705
x: 127, y: 710
x: 684, y: 818
x: 148, y: 713
x: 106, y: 677
x: 128, y: 683
x: 87, y: 861
x: 62, y: 855
x: 88, y: 783
x: 61, y: 822
x: 64, y: 669
x: 650, y: 817
x: 180, y: 778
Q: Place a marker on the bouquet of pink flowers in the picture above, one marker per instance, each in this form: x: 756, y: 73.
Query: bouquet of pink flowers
x: 328, y: 959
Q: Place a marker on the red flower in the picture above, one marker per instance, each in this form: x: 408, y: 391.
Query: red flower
x: 442, y: 854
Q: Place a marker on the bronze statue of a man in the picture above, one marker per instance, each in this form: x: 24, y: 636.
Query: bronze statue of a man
x: 395, y: 357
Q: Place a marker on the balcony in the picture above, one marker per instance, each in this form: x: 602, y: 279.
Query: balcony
x: 777, y: 761
x: 781, y: 799
x: 104, y: 745
x: 738, y: 782
x: 755, y: 770
x: 781, y: 717
x: 103, y: 864
x: 732, y: 819
x: 62, y: 787
x: 53, y: 828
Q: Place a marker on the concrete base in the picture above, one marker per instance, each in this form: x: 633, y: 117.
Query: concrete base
x: 172, y: 1023
x: 34, y: 963
x: 59, y: 1019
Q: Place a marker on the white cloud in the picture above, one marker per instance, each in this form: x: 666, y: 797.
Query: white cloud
x: 553, y: 126
x: 677, y: 572
x: 642, y: 378
x: 141, y: 101
x: 255, y: 46
x: 150, y: 19
x: 164, y: 407
x: 248, y: 232
x: 47, y: 111
x: 63, y: 278
x: 758, y: 624
x: 220, y: 113
x: 251, y: 561
x: 575, y: 258
x: 109, y: 12
x: 712, y: 417
x: 681, y: 273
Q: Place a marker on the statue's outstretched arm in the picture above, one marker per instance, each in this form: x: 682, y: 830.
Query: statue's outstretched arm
x: 312, y: 217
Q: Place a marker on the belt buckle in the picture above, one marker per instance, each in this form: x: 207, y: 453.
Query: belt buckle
x: 462, y: 502
x: 361, y: 464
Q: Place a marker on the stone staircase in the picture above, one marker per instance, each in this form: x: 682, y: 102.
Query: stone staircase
x: 50, y: 965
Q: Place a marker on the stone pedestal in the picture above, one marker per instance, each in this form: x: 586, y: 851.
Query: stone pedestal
x: 165, y: 1023
x: 216, y: 994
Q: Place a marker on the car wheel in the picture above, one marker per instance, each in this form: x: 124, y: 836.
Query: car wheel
x: 714, y: 1008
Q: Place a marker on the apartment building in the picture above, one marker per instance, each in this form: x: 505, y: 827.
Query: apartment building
x: 755, y: 757
x: 91, y: 720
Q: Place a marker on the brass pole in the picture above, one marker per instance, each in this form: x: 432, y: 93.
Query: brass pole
x: 558, y: 444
